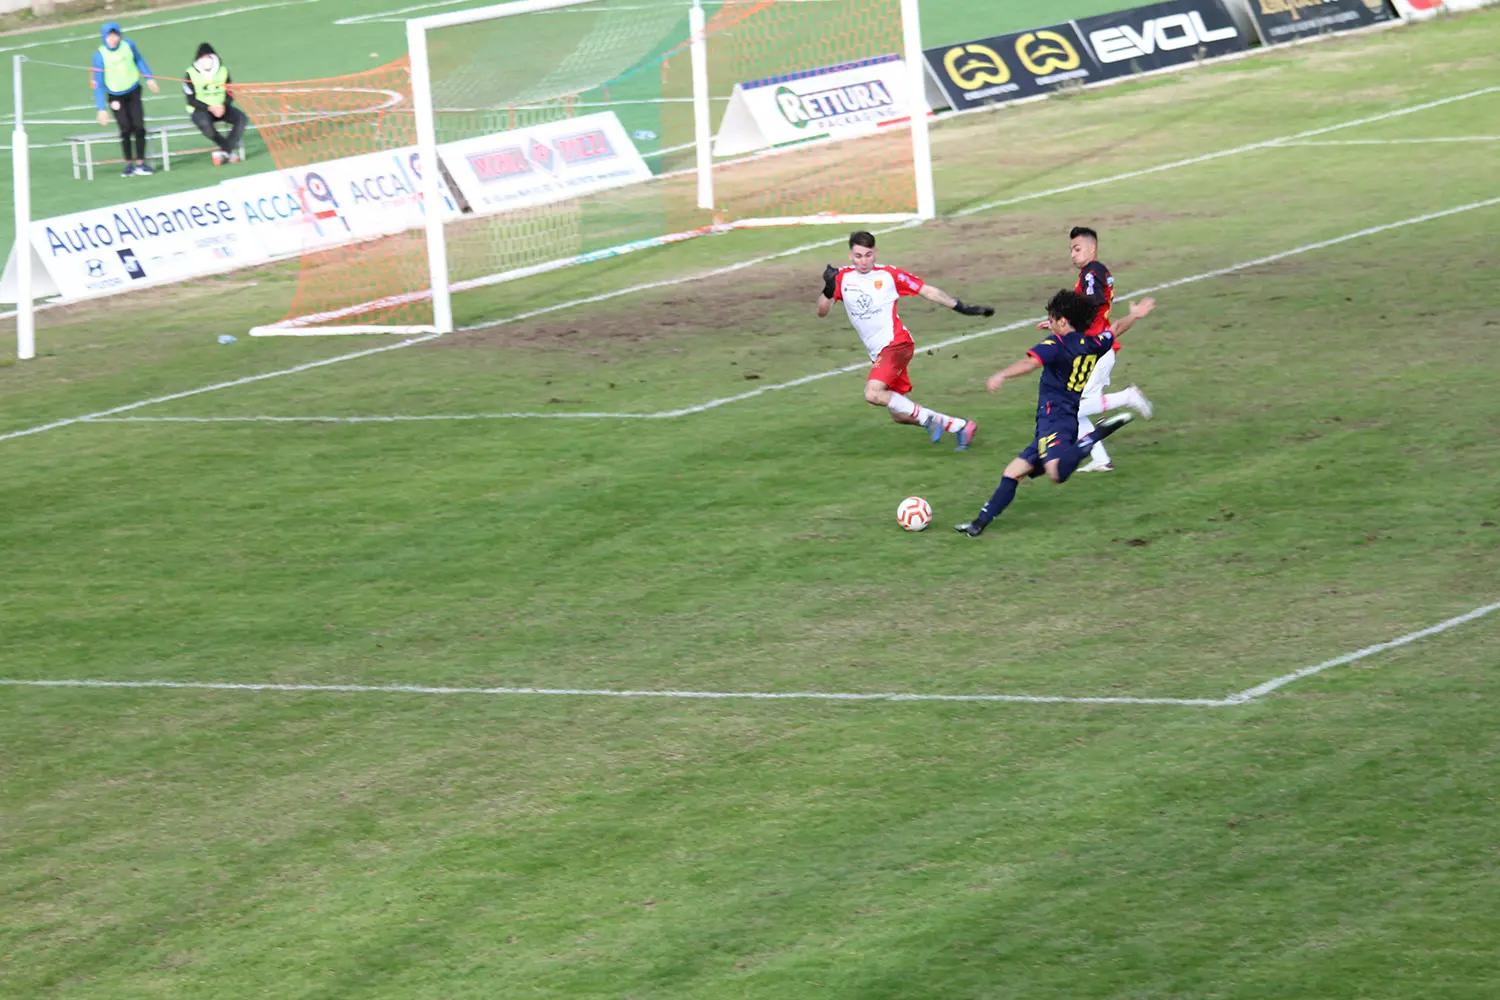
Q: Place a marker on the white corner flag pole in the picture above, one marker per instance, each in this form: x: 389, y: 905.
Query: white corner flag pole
x: 702, y: 121
x: 21, y: 172
x: 432, y: 185
x: 921, y: 137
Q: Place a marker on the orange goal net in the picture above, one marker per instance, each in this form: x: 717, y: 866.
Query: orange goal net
x: 569, y: 131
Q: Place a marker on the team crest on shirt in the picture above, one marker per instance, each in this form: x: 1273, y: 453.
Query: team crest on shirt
x: 879, y: 284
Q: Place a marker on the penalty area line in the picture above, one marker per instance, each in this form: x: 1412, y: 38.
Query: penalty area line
x: 1242, y: 698
x: 609, y: 693
x: 1276, y: 683
x: 248, y: 379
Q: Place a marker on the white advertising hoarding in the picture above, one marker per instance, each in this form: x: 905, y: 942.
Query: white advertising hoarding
x: 162, y: 239
x: 329, y: 204
x: 544, y: 163
x: 843, y: 100
x: 283, y: 213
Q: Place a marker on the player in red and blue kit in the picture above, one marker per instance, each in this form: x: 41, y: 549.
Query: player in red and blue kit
x: 1096, y: 284
x: 1067, y: 358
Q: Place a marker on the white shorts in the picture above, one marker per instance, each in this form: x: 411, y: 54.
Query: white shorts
x: 1099, y: 379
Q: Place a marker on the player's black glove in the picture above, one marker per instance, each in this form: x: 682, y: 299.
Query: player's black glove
x: 968, y: 310
x: 830, y: 281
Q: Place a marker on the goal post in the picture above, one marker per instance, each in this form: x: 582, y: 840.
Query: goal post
x: 21, y: 178
x: 427, y: 151
x: 546, y: 134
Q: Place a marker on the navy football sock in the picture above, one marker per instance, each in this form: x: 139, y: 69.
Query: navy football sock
x: 1069, y: 464
x: 1004, y: 494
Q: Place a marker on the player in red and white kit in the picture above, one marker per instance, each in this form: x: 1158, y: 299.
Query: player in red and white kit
x: 870, y: 293
x: 1096, y: 284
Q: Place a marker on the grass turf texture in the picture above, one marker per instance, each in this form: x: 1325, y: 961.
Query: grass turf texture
x: 1322, y: 475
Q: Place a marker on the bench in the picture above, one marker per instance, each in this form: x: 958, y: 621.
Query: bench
x: 84, y: 144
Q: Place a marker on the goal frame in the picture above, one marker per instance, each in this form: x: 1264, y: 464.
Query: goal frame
x: 417, y: 30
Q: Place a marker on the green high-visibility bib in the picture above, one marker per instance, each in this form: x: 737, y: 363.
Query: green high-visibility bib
x: 120, y: 74
x: 210, y: 88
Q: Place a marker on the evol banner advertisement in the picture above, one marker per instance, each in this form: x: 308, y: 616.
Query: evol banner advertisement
x: 329, y: 204
x: 1288, y: 20
x: 546, y: 163
x: 1009, y: 67
x: 845, y: 100
x: 170, y: 238
x: 1161, y: 35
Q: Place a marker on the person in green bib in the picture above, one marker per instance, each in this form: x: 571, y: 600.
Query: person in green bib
x: 207, y: 88
x: 116, y: 79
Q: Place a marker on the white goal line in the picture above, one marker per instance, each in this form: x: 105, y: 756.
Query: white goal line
x: 114, y: 417
x: 1239, y: 698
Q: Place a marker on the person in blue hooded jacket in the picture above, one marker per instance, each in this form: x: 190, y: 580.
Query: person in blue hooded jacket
x: 119, y: 69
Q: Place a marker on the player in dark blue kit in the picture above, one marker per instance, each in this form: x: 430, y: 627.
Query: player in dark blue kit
x: 1067, y: 358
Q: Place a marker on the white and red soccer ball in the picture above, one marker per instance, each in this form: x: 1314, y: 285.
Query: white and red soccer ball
x: 914, y: 514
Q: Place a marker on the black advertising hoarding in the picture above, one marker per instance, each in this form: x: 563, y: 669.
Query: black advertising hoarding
x: 1289, y: 20
x: 1161, y: 35
x: 1009, y: 67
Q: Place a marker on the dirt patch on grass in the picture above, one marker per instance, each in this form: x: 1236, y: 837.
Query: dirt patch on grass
x: 962, y: 256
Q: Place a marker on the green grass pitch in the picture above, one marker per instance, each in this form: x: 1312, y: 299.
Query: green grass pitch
x: 1323, y: 474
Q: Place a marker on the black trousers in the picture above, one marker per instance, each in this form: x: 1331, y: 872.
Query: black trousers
x: 209, y: 126
x: 131, y: 117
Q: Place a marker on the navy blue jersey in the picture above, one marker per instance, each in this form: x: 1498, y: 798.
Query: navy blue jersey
x: 1066, y: 367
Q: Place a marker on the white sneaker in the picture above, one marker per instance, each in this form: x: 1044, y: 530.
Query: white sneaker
x: 1097, y: 467
x: 220, y: 157
x: 1139, y: 403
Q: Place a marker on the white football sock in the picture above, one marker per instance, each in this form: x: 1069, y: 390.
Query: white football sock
x: 951, y: 425
x: 1085, y: 426
x: 1099, y: 454
x: 1089, y: 406
x: 900, y: 406
x: 1127, y: 398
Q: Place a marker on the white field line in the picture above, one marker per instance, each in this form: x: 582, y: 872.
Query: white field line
x: 1018, y: 199
x: 733, y: 268
x: 1221, y: 154
x: 1395, y: 142
x: 1242, y: 698
x: 210, y: 388
x: 712, y: 404
x: 1250, y: 694
x: 607, y: 693
x: 132, y: 28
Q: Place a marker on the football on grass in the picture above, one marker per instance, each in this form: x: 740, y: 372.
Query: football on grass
x: 914, y: 514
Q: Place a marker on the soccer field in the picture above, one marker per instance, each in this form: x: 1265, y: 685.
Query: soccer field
x: 461, y: 574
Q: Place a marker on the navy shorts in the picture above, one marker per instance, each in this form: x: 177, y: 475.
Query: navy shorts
x: 1055, y: 436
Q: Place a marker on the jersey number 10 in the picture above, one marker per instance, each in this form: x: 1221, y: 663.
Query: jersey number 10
x: 1083, y: 367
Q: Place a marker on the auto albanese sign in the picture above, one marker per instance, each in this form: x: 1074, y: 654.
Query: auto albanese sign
x: 1289, y: 20
x: 1009, y: 67
x: 1161, y: 35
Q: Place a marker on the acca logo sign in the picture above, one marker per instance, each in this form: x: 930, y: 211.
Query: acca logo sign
x: 1161, y: 35
x: 1009, y: 67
